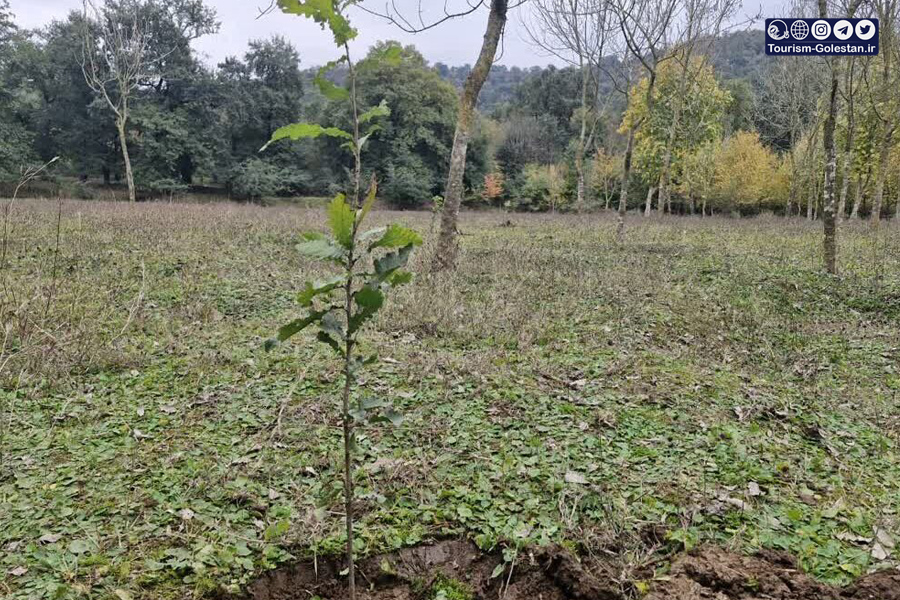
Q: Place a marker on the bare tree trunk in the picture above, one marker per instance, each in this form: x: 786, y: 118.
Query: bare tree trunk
x: 650, y: 191
x: 667, y: 156
x: 579, y: 154
x: 129, y: 175
x: 623, y: 195
x: 845, y: 174
x: 448, y: 244
x: 897, y: 207
x: 828, y: 197
x: 857, y: 199
x: 883, y: 155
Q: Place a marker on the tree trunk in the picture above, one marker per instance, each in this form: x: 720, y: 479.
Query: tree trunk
x: 448, y: 244
x: 845, y: 174
x: 582, y: 138
x: 883, y: 155
x: 649, y: 205
x: 623, y: 195
x: 828, y: 197
x: 857, y: 199
x: 129, y: 176
x: 667, y: 158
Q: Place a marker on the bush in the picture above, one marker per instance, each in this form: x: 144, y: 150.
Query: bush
x: 543, y: 188
x: 255, y: 179
x: 408, y: 185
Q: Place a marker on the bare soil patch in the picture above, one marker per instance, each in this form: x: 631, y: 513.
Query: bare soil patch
x: 553, y: 573
x: 716, y: 574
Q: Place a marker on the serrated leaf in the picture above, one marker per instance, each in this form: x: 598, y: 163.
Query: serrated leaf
x: 294, y: 327
x: 323, y: 13
x: 326, y: 339
x: 321, y: 249
x: 372, y: 233
x: 389, y: 263
x: 399, y: 277
x: 341, y: 219
x: 369, y: 299
x: 370, y: 200
x: 331, y: 325
x: 397, y: 236
x: 297, y: 131
x: 382, y: 110
x: 305, y: 298
x: 328, y: 88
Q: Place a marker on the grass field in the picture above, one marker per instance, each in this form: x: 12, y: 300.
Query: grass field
x: 703, y: 382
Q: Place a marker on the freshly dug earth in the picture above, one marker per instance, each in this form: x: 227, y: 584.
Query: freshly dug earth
x: 554, y: 574
x: 716, y: 574
x: 413, y: 573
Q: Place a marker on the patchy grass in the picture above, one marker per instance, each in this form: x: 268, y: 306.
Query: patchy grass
x: 702, y: 382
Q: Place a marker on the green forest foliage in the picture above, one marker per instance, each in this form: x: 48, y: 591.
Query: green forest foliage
x: 197, y: 126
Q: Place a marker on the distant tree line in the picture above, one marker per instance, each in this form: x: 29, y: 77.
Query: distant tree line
x: 745, y: 135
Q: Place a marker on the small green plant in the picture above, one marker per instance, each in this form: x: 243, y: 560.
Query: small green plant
x: 447, y: 588
x: 370, y: 262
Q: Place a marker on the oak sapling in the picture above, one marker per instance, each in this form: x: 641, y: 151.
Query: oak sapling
x: 369, y: 263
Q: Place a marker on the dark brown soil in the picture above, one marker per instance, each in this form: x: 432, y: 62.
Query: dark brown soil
x: 554, y: 574
x: 716, y: 574
x: 540, y: 574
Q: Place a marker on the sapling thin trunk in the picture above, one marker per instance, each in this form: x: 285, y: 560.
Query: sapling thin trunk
x: 365, y: 275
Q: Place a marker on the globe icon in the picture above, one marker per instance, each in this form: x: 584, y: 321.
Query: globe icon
x: 799, y: 29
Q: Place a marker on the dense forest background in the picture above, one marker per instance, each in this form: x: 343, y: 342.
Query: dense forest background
x: 198, y: 128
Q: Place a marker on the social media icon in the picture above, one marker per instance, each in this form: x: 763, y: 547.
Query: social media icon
x: 778, y: 30
x: 799, y: 29
x: 843, y: 29
x: 865, y: 29
x: 821, y: 30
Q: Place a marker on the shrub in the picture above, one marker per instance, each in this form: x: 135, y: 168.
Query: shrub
x: 255, y: 179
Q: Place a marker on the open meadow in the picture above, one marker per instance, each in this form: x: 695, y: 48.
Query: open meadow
x: 702, y: 383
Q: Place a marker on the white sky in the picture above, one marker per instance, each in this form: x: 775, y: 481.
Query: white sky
x: 455, y: 42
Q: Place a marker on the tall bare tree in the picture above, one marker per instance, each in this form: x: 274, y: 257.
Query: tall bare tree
x: 883, y: 93
x: 788, y: 110
x: 448, y: 244
x: 115, y: 61
x: 576, y: 32
x: 849, y: 95
x: 829, y: 200
x: 644, y: 26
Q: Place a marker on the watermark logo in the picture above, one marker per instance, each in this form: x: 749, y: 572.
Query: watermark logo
x: 821, y: 37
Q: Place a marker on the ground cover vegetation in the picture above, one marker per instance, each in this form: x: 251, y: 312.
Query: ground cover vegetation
x: 707, y: 383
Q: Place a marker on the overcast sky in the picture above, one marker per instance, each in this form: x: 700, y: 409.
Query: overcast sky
x: 455, y: 42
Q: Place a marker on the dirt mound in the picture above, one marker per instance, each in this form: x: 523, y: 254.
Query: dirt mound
x: 417, y: 573
x: 716, y: 574
x: 462, y: 572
